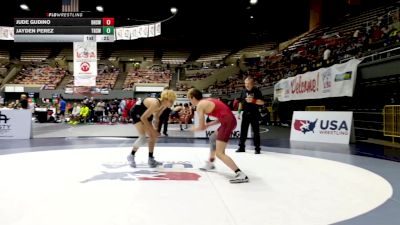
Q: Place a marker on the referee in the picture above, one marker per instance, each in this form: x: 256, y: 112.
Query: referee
x: 250, y: 100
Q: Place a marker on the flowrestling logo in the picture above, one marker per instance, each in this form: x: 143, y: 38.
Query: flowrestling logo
x: 323, y: 127
x: 3, y: 118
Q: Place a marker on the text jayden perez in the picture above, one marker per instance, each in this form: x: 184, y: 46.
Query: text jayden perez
x: 34, y: 30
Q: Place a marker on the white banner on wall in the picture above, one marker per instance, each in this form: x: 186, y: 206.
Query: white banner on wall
x: 84, y: 81
x: 126, y: 33
x: 15, y: 124
x: 210, y: 130
x: 85, y: 63
x: 336, y: 81
x: 134, y: 33
x: 144, y: 31
x: 118, y: 33
x: 326, y: 127
x: 151, y: 30
x: 157, y: 29
x: 121, y: 33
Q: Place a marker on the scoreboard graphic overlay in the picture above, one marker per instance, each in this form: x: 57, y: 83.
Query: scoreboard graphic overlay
x: 64, y: 29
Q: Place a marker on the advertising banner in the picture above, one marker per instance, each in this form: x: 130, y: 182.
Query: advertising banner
x: 336, y: 81
x: 326, y: 127
x: 15, y: 124
x: 85, y: 63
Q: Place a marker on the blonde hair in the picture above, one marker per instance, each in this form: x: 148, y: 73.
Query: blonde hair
x: 168, y: 95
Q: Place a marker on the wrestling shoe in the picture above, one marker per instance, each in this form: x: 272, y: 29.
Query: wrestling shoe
x: 239, y: 178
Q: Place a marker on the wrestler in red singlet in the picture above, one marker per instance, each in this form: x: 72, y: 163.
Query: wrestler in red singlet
x: 219, y: 139
x: 225, y: 117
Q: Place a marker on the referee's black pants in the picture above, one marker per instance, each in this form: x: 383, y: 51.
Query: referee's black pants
x: 163, y: 122
x: 247, y: 119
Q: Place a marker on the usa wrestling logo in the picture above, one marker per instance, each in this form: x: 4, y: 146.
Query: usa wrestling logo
x: 325, y: 127
x: 305, y: 125
x: 147, y: 174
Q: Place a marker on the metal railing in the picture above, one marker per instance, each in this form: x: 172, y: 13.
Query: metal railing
x: 381, y: 55
x: 391, y: 121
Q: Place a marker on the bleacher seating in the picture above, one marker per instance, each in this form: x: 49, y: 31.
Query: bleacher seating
x: 3, y: 69
x: 40, y: 74
x: 193, y: 75
x: 106, y: 78
x: 133, y: 55
x: 136, y: 76
x: 35, y: 54
x: 182, y: 87
x: 353, y: 38
x: 231, y: 85
x: 4, y: 54
x: 347, y: 26
x: 215, y: 56
x: 64, y: 53
x: 175, y: 57
x: 254, y: 50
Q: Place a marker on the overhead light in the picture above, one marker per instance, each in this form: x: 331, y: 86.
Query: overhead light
x: 251, y: 17
x: 253, y: 2
x: 24, y: 7
x: 100, y: 8
x: 174, y: 10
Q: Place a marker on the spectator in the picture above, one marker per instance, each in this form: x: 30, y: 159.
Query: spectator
x: 175, y: 112
x: 275, y: 110
x: 130, y: 103
x: 76, y: 111
x: 236, y: 104
x: 122, y: 110
x: 327, y: 56
x: 185, y: 116
x: 84, y: 113
x: 91, y: 104
x: 23, y: 102
x: 63, y: 106
x: 163, y: 121
x: 99, y: 111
